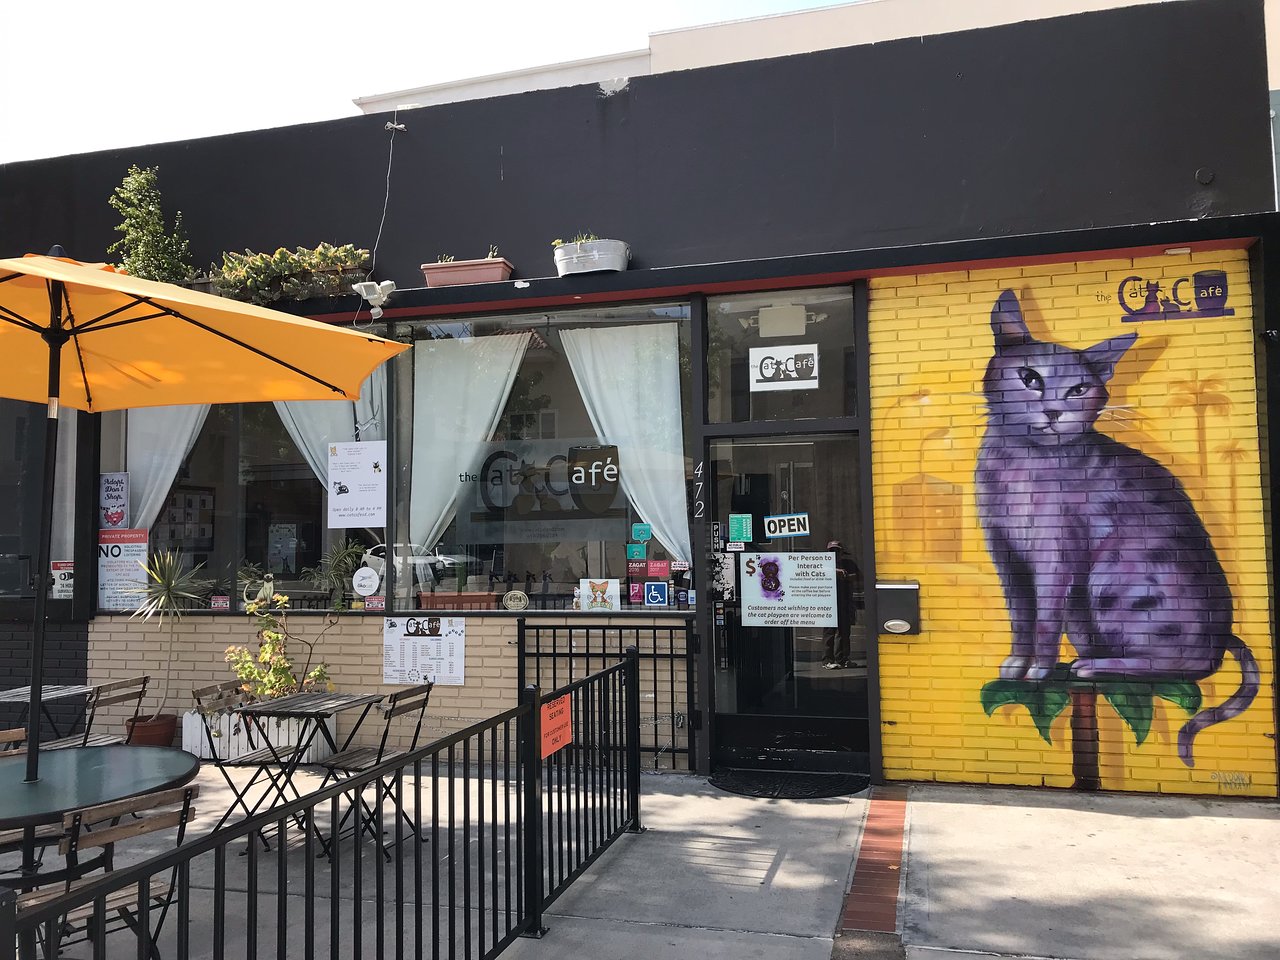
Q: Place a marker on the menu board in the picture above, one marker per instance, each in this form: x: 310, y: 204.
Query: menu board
x: 419, y: 649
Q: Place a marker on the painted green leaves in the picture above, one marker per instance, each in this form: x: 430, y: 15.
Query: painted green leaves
x: 1044, y: 700
x: 1133, y: 700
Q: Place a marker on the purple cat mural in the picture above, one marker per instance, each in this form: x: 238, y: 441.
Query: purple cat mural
x: 1091, y: 537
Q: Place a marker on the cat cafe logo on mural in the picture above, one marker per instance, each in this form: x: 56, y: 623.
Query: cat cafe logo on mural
x: 790, y: 366
x: 1203, y: 294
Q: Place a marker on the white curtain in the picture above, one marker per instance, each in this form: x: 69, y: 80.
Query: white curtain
x: 158, y: 441
x: 629, y: 378
x: 313, y: 424
x: 460, y: 388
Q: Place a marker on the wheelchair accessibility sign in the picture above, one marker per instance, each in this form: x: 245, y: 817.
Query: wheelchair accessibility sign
x: 655, y: 593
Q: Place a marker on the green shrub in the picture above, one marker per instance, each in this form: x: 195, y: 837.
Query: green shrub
x: 300, y: 274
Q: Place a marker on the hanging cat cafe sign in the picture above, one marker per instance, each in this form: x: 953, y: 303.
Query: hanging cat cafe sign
x: 538, y: 491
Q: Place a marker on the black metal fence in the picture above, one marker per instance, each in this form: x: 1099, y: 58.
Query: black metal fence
x: 551, y: 654
x: 453, y: 850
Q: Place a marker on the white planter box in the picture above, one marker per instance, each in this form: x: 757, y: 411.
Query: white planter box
x: 234, y: 741
x: 589, y: 256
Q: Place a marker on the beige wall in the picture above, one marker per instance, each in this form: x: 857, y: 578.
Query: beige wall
x: 847, y: 25
x: 121, y: 648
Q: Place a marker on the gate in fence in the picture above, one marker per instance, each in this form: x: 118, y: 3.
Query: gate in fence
x: 452, y: 850
x: 550, y: 655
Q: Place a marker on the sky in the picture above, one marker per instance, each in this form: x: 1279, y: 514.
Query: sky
x: 82, y: 76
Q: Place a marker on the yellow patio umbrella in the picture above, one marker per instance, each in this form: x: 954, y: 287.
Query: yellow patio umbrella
x: 88, y: 336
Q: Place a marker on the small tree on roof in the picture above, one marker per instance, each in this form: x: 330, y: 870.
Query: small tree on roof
x: 148, y: 250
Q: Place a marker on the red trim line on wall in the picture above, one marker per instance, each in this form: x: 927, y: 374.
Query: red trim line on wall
x: 779, y: 283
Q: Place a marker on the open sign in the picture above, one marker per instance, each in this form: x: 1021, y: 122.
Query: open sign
x: 786, y: 525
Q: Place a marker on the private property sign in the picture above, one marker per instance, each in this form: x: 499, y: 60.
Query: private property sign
x: 557, y: 725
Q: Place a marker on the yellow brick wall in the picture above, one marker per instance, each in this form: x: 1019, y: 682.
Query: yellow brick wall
x: 121, y: 648
x: 1185, y: 394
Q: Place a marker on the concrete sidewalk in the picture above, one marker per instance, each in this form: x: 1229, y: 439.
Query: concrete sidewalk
x: 988, y: 872
x: 1057, y: 874
x: 715, y: 875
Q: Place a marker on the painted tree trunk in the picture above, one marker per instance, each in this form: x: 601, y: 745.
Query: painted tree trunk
x: 1084, y: 739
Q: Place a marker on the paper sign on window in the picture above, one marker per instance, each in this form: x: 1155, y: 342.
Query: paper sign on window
x: 783, y: 366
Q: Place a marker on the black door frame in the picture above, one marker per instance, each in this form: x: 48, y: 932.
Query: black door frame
x: 703, y: 434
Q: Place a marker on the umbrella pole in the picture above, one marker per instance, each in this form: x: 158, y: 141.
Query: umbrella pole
x: 55, y: 336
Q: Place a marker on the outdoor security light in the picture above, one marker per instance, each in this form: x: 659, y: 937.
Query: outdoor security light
x: 375, y: 293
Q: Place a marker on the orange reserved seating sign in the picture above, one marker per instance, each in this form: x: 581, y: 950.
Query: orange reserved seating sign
x: 557, y: 725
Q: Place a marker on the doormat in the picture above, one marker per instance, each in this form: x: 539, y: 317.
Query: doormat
x: 787, y: 784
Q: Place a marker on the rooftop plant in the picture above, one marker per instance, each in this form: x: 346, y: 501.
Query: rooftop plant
x: 148, y: 250
x: 300, y: 274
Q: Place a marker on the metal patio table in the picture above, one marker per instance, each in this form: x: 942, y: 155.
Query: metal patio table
x: 312, y: 710
x: 22, y: 695
x: 79, y: 777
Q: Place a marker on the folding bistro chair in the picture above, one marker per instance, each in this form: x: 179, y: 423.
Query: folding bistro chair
x: 13, y: 744
x: 100, y: 828
x: 104, y: 695
x: 408, y: 702
x: 221, y: 697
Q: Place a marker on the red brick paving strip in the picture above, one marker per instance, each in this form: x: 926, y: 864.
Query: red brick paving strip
x: 872, y: 903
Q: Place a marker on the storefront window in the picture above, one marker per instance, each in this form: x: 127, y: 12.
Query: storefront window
x: 243, y: 489
x: 536, y: 444
x: 22, y: 427
x: 781, y: 356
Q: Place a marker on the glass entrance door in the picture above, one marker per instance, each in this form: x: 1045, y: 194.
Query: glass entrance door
x: 789, y: 633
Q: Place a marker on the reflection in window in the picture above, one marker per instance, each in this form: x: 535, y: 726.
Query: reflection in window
x: 22, y: 432
x: 242, y: 488
x: 535, y: 443
x: 781, y: 356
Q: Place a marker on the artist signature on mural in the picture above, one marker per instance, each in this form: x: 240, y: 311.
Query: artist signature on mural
x: 1232, y: 780
x: 1203, y: 294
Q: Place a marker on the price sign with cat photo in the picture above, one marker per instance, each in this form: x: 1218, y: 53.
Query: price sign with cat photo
x: 788, y: 589
x: 599, y: 596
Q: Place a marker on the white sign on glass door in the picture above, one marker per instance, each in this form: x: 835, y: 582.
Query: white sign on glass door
x: 789, y: 366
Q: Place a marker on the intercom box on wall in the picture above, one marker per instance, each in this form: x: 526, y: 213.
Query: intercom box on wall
x: 898, y: 606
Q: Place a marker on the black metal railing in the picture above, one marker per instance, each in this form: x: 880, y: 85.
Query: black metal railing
x: 453, y: 850
x: 555, y: 654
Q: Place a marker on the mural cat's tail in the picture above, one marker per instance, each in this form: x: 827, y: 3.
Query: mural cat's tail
x: 1236, y: 704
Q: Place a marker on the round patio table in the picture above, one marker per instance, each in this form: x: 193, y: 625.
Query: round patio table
x: 80, y: 777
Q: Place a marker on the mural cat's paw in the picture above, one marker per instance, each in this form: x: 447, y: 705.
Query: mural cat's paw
x: 1083, y: 669
x: 1013, y: 668
x: 1039, y: 671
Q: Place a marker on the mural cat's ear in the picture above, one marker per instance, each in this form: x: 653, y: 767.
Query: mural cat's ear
x: 1102, y: 357
x: 1006, y: 320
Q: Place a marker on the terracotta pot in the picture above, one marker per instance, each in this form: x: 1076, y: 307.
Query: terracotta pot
x: 458, y: 272
x: 154, y: 732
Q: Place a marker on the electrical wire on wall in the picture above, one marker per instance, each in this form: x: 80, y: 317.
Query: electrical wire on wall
x: 393, y: 126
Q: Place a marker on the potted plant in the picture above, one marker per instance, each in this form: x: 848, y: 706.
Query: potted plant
x: 587, y: 253
x: 448, y: 272
x: 263, y: 278
x: 334, y: 571
x: 265, y: 670
x: 169, y: 590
